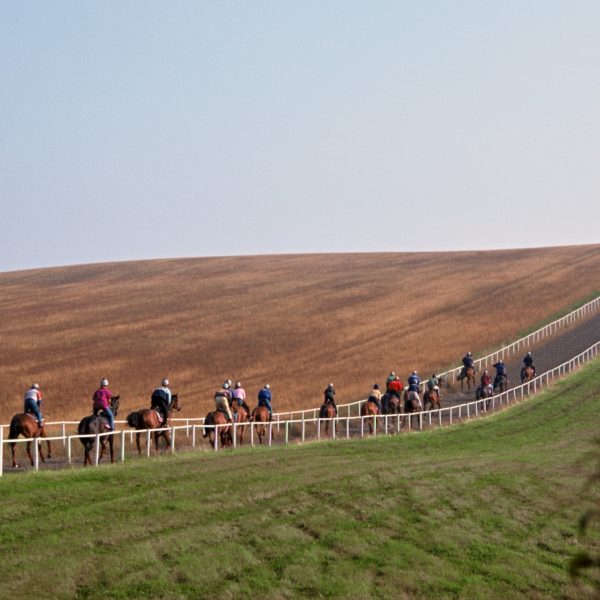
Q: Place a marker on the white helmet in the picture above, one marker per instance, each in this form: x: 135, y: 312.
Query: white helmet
x: 104, y: 382
x: 469, y: 354
x: 267, y: 386
x: 228, y: 381
x: 330, y: 386
x: 414, y: 373
x: 238, y: 384
x: 35, y: 386
x: 165, y: 382
x: 225, y: 385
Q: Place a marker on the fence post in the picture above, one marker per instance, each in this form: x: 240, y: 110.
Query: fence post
x: 318, y: 429
x: 362, y: 427
x: 122, y: 445
x: 287, y: 432
x: 348, y: 427
x: 173, y: 430
x: 36, y: 453
x: 64, y: 434
x: 251, y: 435
x: 271, y: 432
x: 333, y: 423
x: 69, y: 450
x: 193, y: 436
x: 97, y: 453
x: 303, y: 428
x: 147, y: 443
x: 216, y: 437
x: 234, y: 434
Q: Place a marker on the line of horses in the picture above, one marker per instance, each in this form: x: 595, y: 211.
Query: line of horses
x: 25, y: 424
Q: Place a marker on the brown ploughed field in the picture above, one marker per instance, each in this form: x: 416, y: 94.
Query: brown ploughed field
x: 295, y: 321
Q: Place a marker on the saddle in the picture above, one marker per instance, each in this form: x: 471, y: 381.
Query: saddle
x: 158, y: 415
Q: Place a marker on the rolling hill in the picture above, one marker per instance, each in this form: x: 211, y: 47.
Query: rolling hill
x: 296, y: 321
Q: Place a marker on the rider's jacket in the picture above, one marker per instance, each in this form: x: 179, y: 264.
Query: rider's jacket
x: 329, y: 395
x: 485, y: 380
x: 413, y: 382
x: 432, y: 382
x: 239, y: 394
x: 467, y: 361
x: 35, y: 395
x: 528, y: 360
x: 164, y: 393
x: 395, y: 386
x: 375, y: 394
x: 264, y: 394
x: 102, y: 398
x: 500, y: 369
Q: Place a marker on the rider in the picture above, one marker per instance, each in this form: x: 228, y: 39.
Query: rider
x: 391, y: 377
x: 413, y: 382
x: 264, y: 399
x: 467, y: 363
x: 395, y: 387
x: 375, y: 396
x: 433, y: 383
x: 222, y: 399
x: 329, y: 396
x: 161, y: 399
x: 486, y: 381
x: 239, y: 395
x: 528, y: 361
x: 33, y: 403
x: 102, y: 397
x: 500, y: 372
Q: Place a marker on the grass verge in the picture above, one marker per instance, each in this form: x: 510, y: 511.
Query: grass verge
x: 485, y: 509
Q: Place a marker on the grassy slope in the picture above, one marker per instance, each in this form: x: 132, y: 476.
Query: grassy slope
x: 485, y: 509
x: 296, y: 321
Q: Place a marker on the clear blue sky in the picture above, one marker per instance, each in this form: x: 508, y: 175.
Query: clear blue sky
x: 143, y: 129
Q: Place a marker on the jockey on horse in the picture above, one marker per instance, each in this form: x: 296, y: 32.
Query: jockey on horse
x: 101, y: 399
x: 527, y: 362
x: 239, y: 396
x: 33, y: 403
x: 375, y: 396
x: 222, y: 399
x: 414, y: 381
x: 161, y: 400
x: 328, y: 398
x: 393, y: 386
x: 264, y: 399
x: 486, y: 388
x: 500, y: 373
x: 468, y: 363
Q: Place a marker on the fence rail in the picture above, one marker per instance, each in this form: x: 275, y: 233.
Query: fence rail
x: 297, y: 430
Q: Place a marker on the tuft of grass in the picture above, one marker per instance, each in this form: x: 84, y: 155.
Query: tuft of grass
x: 484, y: 509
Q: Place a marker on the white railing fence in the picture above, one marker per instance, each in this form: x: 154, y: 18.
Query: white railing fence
x: 298, y: 430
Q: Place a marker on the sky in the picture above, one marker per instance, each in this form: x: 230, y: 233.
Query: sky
x: 151, y: 129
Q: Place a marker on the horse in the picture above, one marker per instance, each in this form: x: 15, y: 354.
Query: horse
x: 502, y: 382
x: 217, y: 417
x: 468, y: 373
x: 527, y: 374
x: 260, y: 416
x: 370, y: 409
x: 149, y: 418
x: 26, y: 424
x: 412, y: 403
x: 328, y: 411
x: 96, y: 424
x: 433, y: 398
x: 390, y: 404
x: 241, y: 418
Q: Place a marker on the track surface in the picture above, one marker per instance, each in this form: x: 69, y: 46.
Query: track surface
x: 548, y: 353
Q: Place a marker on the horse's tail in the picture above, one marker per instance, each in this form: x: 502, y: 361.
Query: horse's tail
x: 13, y: 431
x: 133, y: 419
x: 209, y: 420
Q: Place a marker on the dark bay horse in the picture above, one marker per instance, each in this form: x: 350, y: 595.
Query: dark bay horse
x: 369, y: 409
x: 527, y: 374
x: 217, y: 417
x: 260, y: 416
x: 242, y: 418
x: 432, y: 397
x: 327, y: 411
x: 149, y: 418
x: 95, y: 424
x: 25, y: 424
x: 468, y: 374
x: 501, y: 383
x: 390, y: 404
x: 412, y: 404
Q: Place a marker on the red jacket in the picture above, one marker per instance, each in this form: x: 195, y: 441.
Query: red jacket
x: 395, y: 386
x: 102, y: 398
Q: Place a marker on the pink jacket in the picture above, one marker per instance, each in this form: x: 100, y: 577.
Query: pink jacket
x: 102, y: 398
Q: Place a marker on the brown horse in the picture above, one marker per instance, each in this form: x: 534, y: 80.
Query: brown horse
x: 96, y: 424
x: 501, y: 383
x: 527, y: 374
x: 328, y: 412
x: 260, y: 416
x: 369, y: 409
x: 242, y: 418
x: 412, y: 404
x: 212, y: 421
x: 25, y: 424
x: 390, y: 404
x: 433, y: 398
x: 150, y: 418
x: 468, y: 374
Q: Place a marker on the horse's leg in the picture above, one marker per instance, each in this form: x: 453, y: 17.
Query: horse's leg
x: 12, y: 449
x: 137, y: 442
x: 28, y: 446
x: 167, y: 437
x: 111, y: 447
x: 40, y: 451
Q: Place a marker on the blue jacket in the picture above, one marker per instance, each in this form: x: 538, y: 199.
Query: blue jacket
x: 500, y: 369
x: 264, y: 394
x: 468, y: 361
x: 414, y: 381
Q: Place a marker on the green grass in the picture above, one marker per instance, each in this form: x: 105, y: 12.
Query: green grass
x: 480, y: 510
